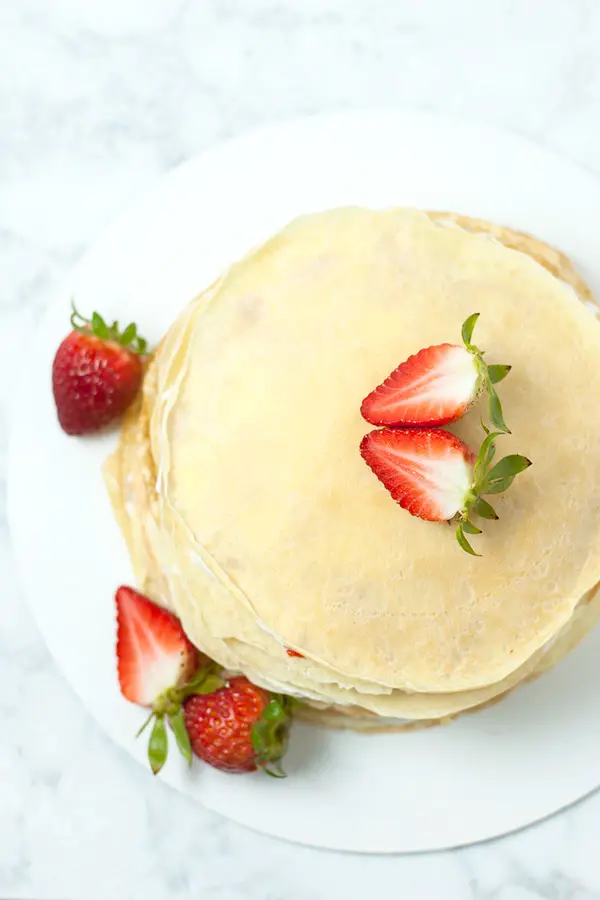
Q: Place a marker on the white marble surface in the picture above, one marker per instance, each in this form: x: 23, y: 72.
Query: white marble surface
x: 97, y: 98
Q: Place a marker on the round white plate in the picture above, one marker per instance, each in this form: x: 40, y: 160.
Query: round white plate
x: 485, y: 774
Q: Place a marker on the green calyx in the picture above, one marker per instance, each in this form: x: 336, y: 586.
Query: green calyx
x: 168, y: 707
x: 487, y: 479
x: 488, y: 375
x: 270, y: 734
x: 128, y: 338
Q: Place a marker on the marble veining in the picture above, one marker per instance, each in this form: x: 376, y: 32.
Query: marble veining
x: 97, y: 99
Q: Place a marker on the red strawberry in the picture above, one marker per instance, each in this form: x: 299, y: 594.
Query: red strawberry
x: 434, y: 476
x: 96, y: 374
x: 239, y: 728
x: 436, y: 386
x: 153, y: 652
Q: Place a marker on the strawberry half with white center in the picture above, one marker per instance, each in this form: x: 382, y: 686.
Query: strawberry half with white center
x: 96, y: 373
x: 437, y: 386
x: 153, y: 651
x: 156, y: 665
x: 435, y: 476
x: 234, y: 726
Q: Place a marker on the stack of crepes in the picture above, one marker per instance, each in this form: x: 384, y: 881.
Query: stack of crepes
x: 247, y: 508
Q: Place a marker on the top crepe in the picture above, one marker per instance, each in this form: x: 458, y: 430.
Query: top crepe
x: 256, y: 429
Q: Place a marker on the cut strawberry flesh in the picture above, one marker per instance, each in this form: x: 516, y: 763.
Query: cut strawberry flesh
x: 428, y: 471
x: 153, y: 652
x: 433, y: 387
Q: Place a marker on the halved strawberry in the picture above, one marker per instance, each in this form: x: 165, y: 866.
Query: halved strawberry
x: 158, y: 667
x: 437, y: 386
x: 153, y: 651
x: 435, y: 476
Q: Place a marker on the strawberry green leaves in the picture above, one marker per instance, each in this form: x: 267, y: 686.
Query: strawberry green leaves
x: 177, y: 723
x: 504, y: 473
x: 489, y: 375
x: 487, y: 479
x: 270, y: 735
x: 158, y: 745
x: 462, y: 541
x: 469, y: 528
x: 207, y: 680
x: 467, y: 329
x: 483, y: 509
x: 495, y: 407
x: 498, y: 373
x: 128, y: 338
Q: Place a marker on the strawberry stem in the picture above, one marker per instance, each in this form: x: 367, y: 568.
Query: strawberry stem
x: 270, y: 735
x: 489, y: 375
x: 487, y: 480
x: 145, y: 725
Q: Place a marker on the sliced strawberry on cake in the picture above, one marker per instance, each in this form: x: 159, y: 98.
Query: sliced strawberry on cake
x: 437, y: 386
x: 435, y: 476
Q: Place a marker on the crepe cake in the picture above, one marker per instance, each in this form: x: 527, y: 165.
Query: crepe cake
x: 247, y: 508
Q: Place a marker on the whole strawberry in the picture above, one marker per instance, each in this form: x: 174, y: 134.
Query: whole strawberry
x: 96, y: 374
x: 238, y: 728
